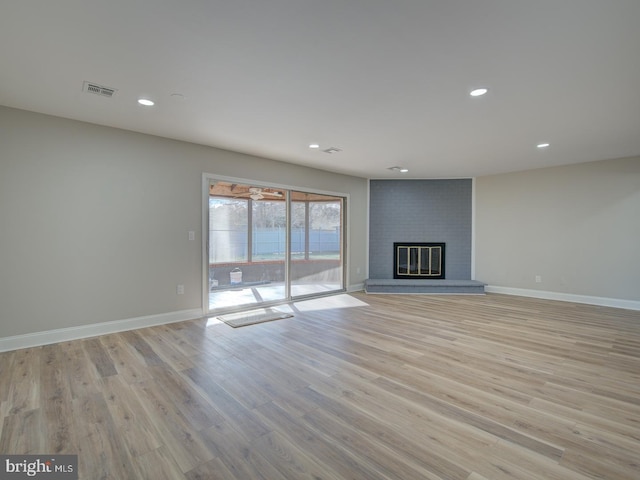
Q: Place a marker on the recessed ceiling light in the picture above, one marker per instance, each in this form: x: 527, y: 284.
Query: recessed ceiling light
x: 542, y: 145
x: 398, y: 169
x: 404, y: 170
x: 314, y: 145
x: 478, y: 92
x: 146, y: 102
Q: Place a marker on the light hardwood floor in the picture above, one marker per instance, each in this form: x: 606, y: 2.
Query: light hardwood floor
x: 353, y: 387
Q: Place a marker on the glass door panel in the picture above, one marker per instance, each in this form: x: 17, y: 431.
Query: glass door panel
x: 247, y: 245
x: 316, y: 244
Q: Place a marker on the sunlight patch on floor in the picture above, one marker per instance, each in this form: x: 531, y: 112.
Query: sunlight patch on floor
x: 312, y: 305
x: 328, y: 303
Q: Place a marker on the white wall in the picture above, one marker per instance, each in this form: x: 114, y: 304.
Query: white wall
x: 94, y: 221
x: 577, y: 227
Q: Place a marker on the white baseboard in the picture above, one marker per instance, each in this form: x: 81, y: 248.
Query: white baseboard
x: 357, y: 287
x: 84, y: 331
x: 566, y: 297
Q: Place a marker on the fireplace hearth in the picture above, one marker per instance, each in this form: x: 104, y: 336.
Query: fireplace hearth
x: 412, y: 260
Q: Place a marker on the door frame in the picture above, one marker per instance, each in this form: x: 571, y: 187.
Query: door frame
x: 207, y: 178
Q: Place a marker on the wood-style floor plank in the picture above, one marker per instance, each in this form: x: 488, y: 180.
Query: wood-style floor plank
x: 360, y: 387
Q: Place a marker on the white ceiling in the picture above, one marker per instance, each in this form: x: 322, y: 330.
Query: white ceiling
x: 386, y: 81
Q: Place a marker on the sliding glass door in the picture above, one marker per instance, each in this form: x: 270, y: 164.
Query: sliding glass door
x: 266, y: 244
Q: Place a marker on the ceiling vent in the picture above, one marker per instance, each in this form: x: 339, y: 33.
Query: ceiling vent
x: 332, y: 150
x: 99, y: 89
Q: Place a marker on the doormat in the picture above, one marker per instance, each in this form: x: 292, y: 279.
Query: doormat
x: 251, y: 317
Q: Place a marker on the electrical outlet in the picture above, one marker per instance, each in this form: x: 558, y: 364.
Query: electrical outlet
x: 538, y: 279
x: 180, y: 289
x: 192, y: 235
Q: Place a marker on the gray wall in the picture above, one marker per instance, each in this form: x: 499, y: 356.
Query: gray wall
x: 420, y: 211
x: 94, y: 221
x: 576, y: 227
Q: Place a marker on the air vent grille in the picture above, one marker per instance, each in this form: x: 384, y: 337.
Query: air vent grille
x: 99, y: 89
x: 332, y: 150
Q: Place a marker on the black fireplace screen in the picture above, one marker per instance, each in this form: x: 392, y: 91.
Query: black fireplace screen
x: 418, y: 260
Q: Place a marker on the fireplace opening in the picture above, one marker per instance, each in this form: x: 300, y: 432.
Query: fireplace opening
x: 418, y: 260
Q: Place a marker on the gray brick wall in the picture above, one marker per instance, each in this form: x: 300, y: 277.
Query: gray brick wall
x: 420, y: 211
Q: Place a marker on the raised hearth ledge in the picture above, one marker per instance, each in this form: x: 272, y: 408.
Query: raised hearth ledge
x: 436, y: 287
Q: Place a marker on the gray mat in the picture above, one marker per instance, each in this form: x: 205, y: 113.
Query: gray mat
x: 251, y: 317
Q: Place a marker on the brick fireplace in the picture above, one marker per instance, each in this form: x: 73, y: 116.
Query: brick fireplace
x: 413, y: 260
